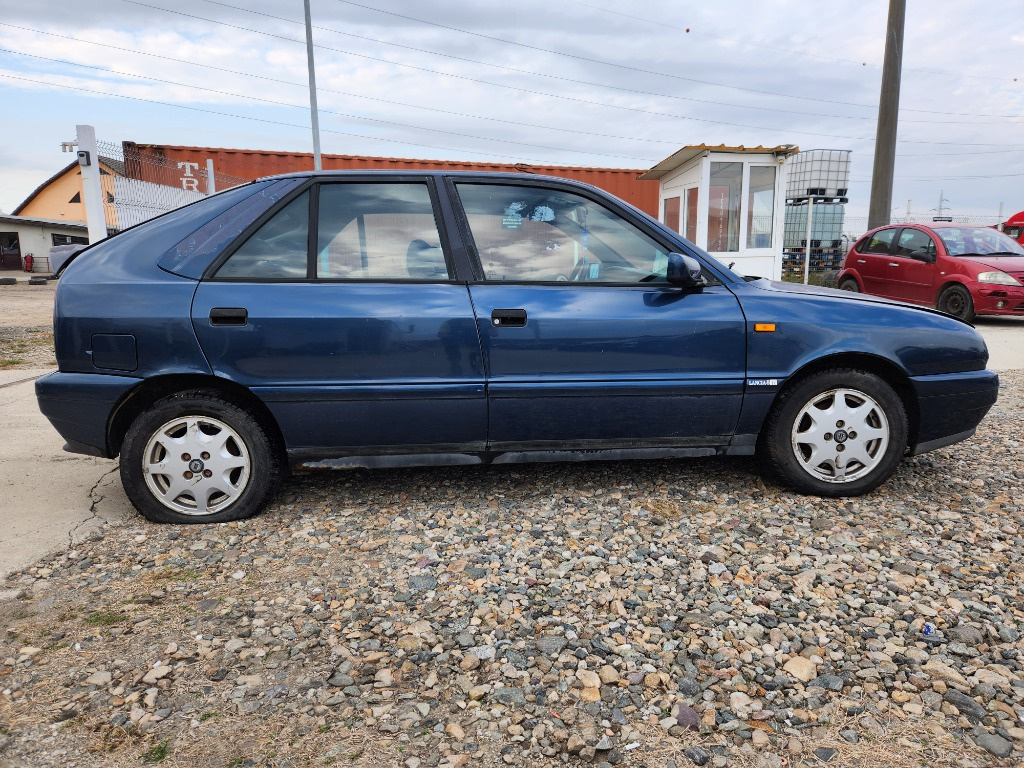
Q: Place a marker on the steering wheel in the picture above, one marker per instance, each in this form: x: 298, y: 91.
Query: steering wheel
x: 577, y: 273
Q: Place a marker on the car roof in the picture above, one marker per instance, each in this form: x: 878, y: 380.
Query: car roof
x: 406, y: 172
x: 936, y: 225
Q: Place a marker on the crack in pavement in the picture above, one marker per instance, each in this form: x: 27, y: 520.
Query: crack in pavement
x: 95, y: 499
x: 20, y: 381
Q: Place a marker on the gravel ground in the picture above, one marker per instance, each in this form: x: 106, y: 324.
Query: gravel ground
x: 639, y: 614
x: 660, y: 614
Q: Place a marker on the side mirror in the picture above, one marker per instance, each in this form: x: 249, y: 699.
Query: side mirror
x: 684, y: 271
x: 927, y: 258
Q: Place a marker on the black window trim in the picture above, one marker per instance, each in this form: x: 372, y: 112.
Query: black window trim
x: 313, y: 185
x: 452, y: 182
x: 894, y: 245
x: 897, y: 229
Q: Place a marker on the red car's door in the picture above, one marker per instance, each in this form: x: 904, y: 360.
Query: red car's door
x: 911, y: 268
x: 871, y: 260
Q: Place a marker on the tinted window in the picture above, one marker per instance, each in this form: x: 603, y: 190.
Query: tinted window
x: 277, y: 249
x: 378, y: 231
x: 540, y: 235
x: 878, y: 242
x: 204, y: 229
x: 912, y: 240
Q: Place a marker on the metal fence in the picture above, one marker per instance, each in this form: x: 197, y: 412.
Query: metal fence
x: 832, y: 235
x: 138, y: 186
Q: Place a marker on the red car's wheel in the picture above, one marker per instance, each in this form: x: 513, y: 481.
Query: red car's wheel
x: 956, y: 300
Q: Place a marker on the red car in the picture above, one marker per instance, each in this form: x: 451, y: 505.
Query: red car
x: 961, y: 269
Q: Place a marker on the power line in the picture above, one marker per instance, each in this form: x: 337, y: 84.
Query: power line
x: 532, y: 91
x: 750, y: 44
x: 595, y: 84
x: 325, y: 111
x: 253, y: 75
x: 79, y: 89
x: 610, y: 63
x: 547, y: 75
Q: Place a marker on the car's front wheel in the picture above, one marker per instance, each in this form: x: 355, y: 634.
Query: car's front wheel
x: 849, y: 284
x: 197, y: 458
x: 840, y: 432
x: 956, y: 300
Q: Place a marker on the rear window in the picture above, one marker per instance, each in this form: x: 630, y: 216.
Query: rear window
x: 198, y: 233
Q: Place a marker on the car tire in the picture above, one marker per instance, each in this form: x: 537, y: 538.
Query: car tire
x: 194, y: 457
x: 849, y: 284
x: 853, y: 411
x: 956, y: 301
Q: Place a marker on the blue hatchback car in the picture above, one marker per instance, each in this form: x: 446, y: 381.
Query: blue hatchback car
x: 378, y: 319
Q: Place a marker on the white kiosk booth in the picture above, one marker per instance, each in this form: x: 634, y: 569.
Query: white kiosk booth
x: 730, y: 201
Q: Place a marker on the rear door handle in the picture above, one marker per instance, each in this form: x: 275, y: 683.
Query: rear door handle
x: 513, y: 318
x: 229, y: 316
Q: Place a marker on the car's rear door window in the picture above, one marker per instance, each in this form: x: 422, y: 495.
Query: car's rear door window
x: 878, y: 242
x: 378, y: 232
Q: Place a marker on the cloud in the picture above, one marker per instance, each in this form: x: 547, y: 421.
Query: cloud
x: 582, y: 82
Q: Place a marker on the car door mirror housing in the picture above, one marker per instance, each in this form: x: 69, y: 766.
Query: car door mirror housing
x: 927, y: 258
x: 684, y: 271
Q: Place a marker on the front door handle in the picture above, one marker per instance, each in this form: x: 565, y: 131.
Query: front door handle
x: 513, y: 318
x: 229, y: 316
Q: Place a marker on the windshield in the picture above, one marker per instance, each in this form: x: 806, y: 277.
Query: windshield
x: 977, y: 241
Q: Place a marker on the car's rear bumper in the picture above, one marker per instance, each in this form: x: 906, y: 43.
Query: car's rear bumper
x: 79, y: 406
x: 951, y: 405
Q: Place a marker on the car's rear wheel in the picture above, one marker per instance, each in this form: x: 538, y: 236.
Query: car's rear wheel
x: 197, y: 458
x: 841, y: 432
x: 956, y: 300
x: 849, y: 284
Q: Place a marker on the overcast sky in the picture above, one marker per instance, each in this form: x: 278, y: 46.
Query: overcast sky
x: 575, y: 82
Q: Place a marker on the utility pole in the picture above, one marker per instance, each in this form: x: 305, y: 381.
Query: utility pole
x: 314, y: 117
x: 880, y: 207
x: 807, y: 242
x: 92, y: 186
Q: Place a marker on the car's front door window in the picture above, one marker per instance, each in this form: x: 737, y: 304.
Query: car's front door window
x: 913, y: 241
x: 534, y: 234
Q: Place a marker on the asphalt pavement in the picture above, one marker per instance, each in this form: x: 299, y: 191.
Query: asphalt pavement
x: 54, y: 499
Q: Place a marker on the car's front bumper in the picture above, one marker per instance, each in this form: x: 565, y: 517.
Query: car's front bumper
x: 79, y: 406
x: 999, y: 300
x: 951, y: 405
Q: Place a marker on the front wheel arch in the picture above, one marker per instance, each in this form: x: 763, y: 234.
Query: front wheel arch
x: 821, y: 415
x: 958, y: 286
x: 883, y: 369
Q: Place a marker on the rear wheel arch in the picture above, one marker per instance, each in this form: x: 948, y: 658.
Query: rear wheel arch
x: 844, y: 281
x: 150, y: 391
